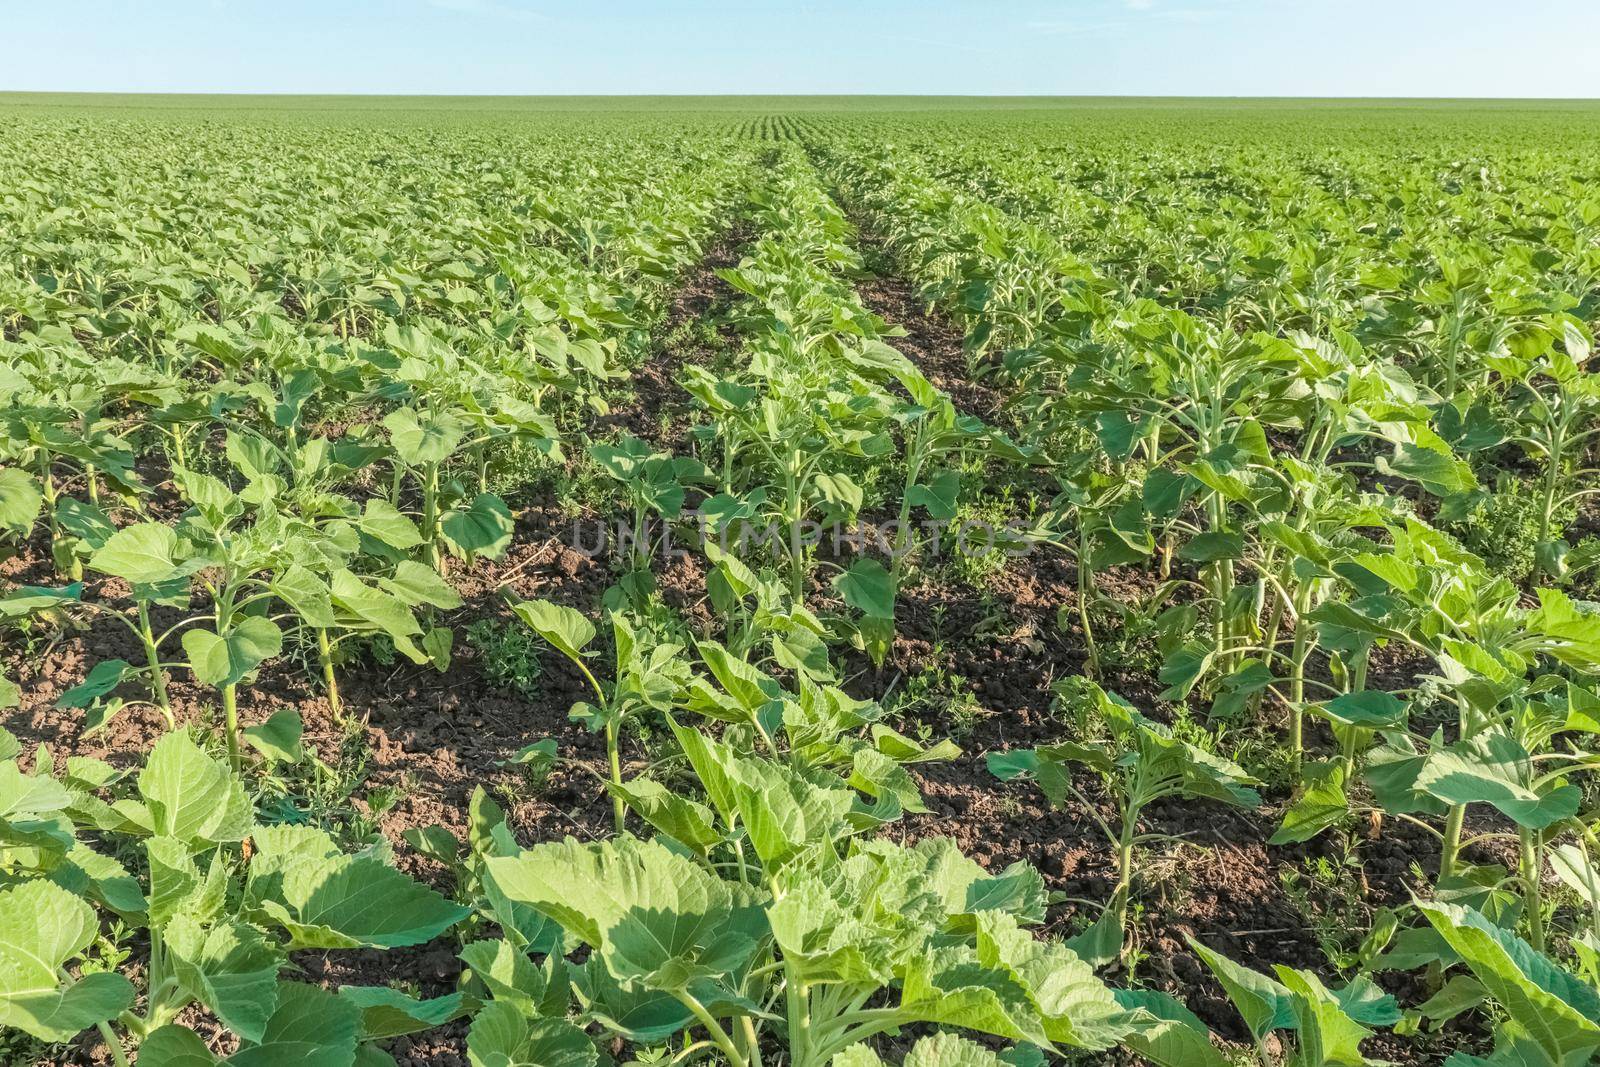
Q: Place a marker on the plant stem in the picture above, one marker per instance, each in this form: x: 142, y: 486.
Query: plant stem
x: 1532, y: 891
x: 325, y: 651
x: 714, y: 1028
x: 430, y: 517
x: 152, y: 655
x: 799, y: 1023
x: 1085, y: 582
x: 109, y: 1036
x: 1452, y: 841
x: 614, y: 756
x: 230, y: 724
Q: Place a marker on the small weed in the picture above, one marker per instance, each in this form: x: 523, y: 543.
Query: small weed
x: 935, y: 694
x: 509, y: 656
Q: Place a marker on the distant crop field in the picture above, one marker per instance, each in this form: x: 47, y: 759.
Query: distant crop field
x: 798, y: 580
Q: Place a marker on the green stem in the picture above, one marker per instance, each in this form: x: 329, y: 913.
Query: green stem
x: 714, y: 1028
x: 152, y: 655
x: 118, y: 1056
x: 1532, y: 891
x: 614, y: 756
x: 1452, y: 841
x: 230, y: 724
x: 1297, y: 684
x: 799, y: 1023
x: 325, y: 652
x: 1085, y: 583
x: 430, y: 516
x: 1124, y: 889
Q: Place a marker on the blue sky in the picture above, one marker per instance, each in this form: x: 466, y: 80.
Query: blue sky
x: 1112, y: 47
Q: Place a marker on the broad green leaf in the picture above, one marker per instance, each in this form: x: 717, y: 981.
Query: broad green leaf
x: 142, y: 554
x: 104, y: 677
x: 310, y: 1027
x: 652, y: 915
x: 510, y: 975
x: 1558, y: 1012
x: 175, y: 1046
x: 1370, y: 708
x: 224, y: 660
x: 352, y: 902
x: 389, y: 1013
x: 191, y: 796
x: 21, y: 499
x: 501, y: 1036
x: 232, y: 968
x: 482, y: 528
x: 1165, y: 1032
x: 1494, y: 769
x: 277, y: 739
x: 564, y: 628
x: 1326, y: 1036
x: 42, y: 927
x: 1265, y: 1004
x: 1322, y: 804
x: 422, y: 440
x: 685, y: 821
x: 417, y: 584
x: 383, y: 521
x: 867, y: 587
x: 173, y: 876
x: 307, y: 594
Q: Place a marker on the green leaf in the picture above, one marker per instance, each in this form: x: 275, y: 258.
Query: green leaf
x: 417, y: 584
x: 1265, y: 1004
x: 378, y: 609
x: 191, y: 796
x: 21, y: 500
x: 563, y: 628
x: 653, y: 916
x: 175, y: 1046
x: 1369, y: 708
x: 307, y: 594
x: 42, y: 927
x: 1494, y: 769
x: 501, y: 1036
x: 1326, y: 1035
x: 943, y: 1050
x: 309, y: 1028
x: 103, y: 677
x: 1322, y: 804
x: 1212, y: 546
x: 387, y: 1013
x: 421, y: 440
x: 277, y: 739
x: 511, y: 976
x: 173, y: 876
x: 939, y: 495
x: 1165, y: 1032
x: 1557, y: 1011
x: 1438, y: 472
x: 868, y: 587
x: 224, y: 660
x: 685, y: 821
x: 352, y: 902
x: 142, y: 554
x: 383, y: 521
x: 232, y: 969
x: 482, y: 528
x: 1013, y: 986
